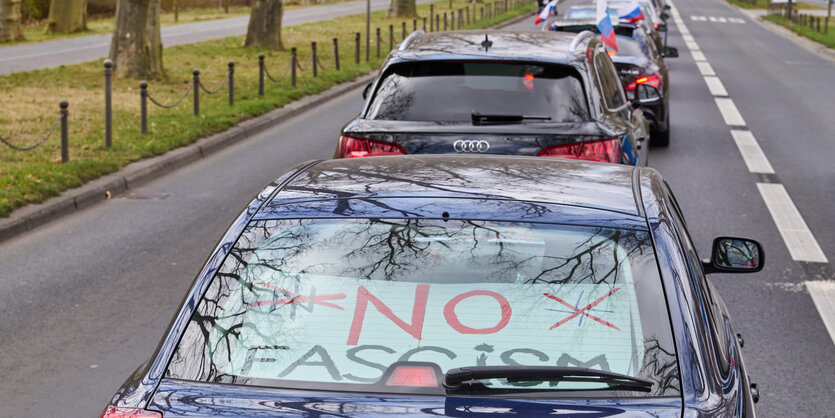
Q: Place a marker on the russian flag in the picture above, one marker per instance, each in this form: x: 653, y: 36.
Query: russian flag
x: 545, y: 13
x: 604, y: 24
x: 634, y: 13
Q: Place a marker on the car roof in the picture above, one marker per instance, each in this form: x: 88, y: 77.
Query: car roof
x: 530, y: 45
x: 532, y: 179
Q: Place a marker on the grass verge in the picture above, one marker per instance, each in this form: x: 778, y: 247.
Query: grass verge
x: 31, y: 102
x: 827, y: 39
x: 764, y: 4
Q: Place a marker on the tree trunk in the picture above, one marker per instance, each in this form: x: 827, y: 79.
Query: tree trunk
x: 402, y: 8
x: 10, y: 29
x: 265, y: 25
x: 67, y: 16
x: 136, y: 49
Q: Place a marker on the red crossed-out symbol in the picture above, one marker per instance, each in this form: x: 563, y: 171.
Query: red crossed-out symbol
x: 578, y: 312
x: 296, y: 298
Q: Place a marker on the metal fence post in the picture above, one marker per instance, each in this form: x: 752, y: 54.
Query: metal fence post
x: 378, y: 42
x: 468, y: 14
x: 431, y: 18
x: 196, y: 86
x: 65, y: 143
x: 438, y: 21
x: 108, y: 109
x: 414, y: 25
x: 424, y: 23
x: 391, y: 37
x: 357, y: 58
x: 482, y: 13
x: 260, y: 74
x: 313, y: 59
x: 460, y: 18
x: 403, y: 24
x: 143, y: 107
x: 446, y: 22
x: 231, y: 83
x: 336, y: 52
x: 452, y: 19
x: 293, y: 64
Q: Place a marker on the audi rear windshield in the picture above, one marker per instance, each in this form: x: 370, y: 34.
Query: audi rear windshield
x: 335, y: 304
x: 451, y: 91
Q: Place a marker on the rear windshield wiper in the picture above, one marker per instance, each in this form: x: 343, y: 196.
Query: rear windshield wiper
x: 495, y: 119
x: 455, y: 378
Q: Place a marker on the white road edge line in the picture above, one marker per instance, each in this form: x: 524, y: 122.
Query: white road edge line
x: 796, y: 234
x: 714, y: 84
x: 693, y: 46
x: 751, y: 152
x: 729, y: 111
x: 823, y: 295
x: 698, y: 56
x: 705, y: 68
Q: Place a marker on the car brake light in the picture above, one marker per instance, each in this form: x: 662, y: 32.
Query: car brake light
x: 652, y: 80
x: 351, y: 147
x: 606, y: 150
x: 115, y: 412
x: 415, y: 376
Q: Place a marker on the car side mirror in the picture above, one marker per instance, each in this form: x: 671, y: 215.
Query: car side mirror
x: 734, y: 255
x: 366, y: 90
x: 665, y: 16
x: 669, y: 52
x: 667, y: 7
x: 645, y: 95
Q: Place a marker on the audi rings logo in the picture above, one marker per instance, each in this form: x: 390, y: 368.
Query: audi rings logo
x: 462, y: 145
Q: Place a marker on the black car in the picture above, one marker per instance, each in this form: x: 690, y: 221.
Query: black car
x: 525, y: 93
x: 453, y: 285
x: 637, y: 61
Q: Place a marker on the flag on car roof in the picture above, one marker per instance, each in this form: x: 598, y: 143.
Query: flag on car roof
x: 604, y: 24
x: 546, y: 12
x: 633, y: 12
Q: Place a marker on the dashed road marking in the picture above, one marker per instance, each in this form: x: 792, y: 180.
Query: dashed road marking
x: 717, y: 19
x: 729, y: 111
x: 796, y: 234
x: 714, y: 84
x: 705, y: 68
x: 823, y: 294
x: 698, y: 56
x: 751, y: 152
x: 691, y: 45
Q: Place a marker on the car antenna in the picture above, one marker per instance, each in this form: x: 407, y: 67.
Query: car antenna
x: 487, y: 43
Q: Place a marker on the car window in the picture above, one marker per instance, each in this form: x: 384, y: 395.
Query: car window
x: 450, y: 91
x: 612, y: 93
x: 629, y: 47
x: 333, y: 304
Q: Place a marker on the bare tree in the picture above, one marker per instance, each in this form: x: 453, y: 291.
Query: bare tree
x: 402, y: 8
x: 10, y: 20
x: 67, y: 16
x: 136, y: 49
x: 265, y: 24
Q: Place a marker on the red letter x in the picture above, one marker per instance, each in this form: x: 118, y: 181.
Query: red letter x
x: 294, y: 298
x: 578, y: 312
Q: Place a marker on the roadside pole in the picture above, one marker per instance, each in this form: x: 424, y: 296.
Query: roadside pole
x: 828, y: 16
x: 367, y: 29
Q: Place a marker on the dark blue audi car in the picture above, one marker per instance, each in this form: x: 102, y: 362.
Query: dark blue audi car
x: 444, y: 285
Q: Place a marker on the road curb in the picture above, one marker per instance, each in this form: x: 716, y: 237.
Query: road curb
x: 137, y: 173
x: 821, y: 50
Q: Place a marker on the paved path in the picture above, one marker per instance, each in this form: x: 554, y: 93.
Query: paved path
x: 88, y: 48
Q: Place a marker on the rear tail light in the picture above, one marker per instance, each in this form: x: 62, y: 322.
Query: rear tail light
x: 415, y: 376
x: 351, y: 147
x: 606, y: 150
x: 114, y: 412
x: 653, y: 80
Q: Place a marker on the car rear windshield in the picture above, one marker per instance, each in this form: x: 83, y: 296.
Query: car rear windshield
x: 337, y: 304
x: 450, y: 91
x: 629, y: 47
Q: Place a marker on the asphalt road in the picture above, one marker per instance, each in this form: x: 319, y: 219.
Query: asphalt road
x: 85, y: 300
x: 88, y: 48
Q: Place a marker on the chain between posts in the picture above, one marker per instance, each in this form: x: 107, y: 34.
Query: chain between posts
x: 37, y: 144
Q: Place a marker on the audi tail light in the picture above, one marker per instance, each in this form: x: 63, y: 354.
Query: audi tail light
x: 653, y: 80
x: 352, y: 147
x: 606, y: 150
x: 115, y: 412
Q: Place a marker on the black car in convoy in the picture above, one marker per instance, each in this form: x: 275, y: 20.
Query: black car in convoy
x: 638, y: 61
x: 545, y: 94
x: 454, y: 285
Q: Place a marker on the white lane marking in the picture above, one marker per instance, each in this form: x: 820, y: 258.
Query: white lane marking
x: 796, y: 234
x: 714, y: 84
x: 729, y: 111
x: 693, y: 46
x: 751, y: 152
x: 823, y: 294
x: 698, y: 18
x: 688, y: 38
x: 736, y: 20
x: 698, y: 56
x: 722, y: 20
x: 705, y: 68
x: 719, y: 19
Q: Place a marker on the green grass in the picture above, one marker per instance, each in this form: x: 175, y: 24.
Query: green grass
x: 763, y: 4
x: 827, y: 39
x: 30, y: 103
